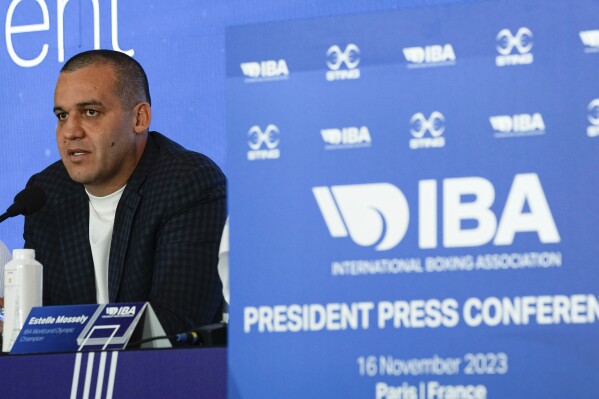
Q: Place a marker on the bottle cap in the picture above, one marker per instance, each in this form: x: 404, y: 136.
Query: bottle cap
x: 23, y: 253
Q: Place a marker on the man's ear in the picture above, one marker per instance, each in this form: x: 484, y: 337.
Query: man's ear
x: 142, y: 116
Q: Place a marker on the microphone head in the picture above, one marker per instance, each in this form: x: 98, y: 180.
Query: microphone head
x: 28, y: 201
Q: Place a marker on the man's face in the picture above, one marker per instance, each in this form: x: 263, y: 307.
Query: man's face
x: 95, y: 134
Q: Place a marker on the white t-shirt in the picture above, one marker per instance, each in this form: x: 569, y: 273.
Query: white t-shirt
x: 223, y: 261
x: 101, y: 222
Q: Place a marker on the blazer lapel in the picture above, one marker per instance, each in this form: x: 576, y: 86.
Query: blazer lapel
x: 121, y: 232
x: 74, y: 240
x: 125, y: 215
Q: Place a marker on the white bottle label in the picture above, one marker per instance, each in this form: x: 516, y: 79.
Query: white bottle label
x: 22, y: 291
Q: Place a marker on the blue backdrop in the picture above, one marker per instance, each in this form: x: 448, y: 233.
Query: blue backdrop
x: 412, y: 195
x: 180, y: 44
x: 413, y: 201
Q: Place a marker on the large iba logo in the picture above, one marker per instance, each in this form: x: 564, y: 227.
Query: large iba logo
x: 378, y: 214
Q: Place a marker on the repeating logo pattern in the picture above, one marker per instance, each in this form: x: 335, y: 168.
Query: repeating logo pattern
x: 432, y: 126
x: 346, y: 137
x: 265, y: 70
x: 343, y: 64
x: 430, y: 56
x: 263, y: 143
x: 517, y: 125
x: 514, y: 49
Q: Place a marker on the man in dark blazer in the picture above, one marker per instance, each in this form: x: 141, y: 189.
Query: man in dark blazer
x: 163, y: 238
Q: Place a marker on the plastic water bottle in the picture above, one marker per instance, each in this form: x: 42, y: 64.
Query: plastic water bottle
x: 22, y: 291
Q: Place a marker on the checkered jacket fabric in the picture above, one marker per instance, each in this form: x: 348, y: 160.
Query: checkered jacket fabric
x: 165, y: 240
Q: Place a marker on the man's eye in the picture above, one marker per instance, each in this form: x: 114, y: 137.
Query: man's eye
x: 61, y: 116
x: 90, y: 112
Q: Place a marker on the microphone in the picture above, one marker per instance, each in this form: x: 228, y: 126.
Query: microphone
x: 28, y: 201
x: 210, y: 335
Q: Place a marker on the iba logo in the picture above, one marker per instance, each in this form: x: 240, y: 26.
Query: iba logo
x: 593, y: 117
x: 114, y: 311
x: 347, y: 137
x: 264, y: 71
x: 378, y: 214
x: 514, y: 49
x: 263, y: 143
x: 429, y: 56
x: 517, y: 125
x: 590, y: 39
x: 343, y: 64
x: 434, y: 125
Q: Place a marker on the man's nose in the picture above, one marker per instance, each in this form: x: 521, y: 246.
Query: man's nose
x: 71, y: 129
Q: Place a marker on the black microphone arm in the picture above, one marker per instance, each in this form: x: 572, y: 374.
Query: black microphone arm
x: 210, y: 335
x: 28, y: 201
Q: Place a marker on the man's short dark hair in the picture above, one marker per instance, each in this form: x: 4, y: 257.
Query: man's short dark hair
x: 131, y: 80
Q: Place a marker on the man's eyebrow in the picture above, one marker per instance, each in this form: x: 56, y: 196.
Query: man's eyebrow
x: 82, y: 104
x: 90, y: 102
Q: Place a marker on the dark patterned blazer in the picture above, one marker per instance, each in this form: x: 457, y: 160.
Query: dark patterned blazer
x: 165, y: 240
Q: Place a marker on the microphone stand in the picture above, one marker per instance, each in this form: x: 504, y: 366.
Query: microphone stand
x: 4, y: 216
